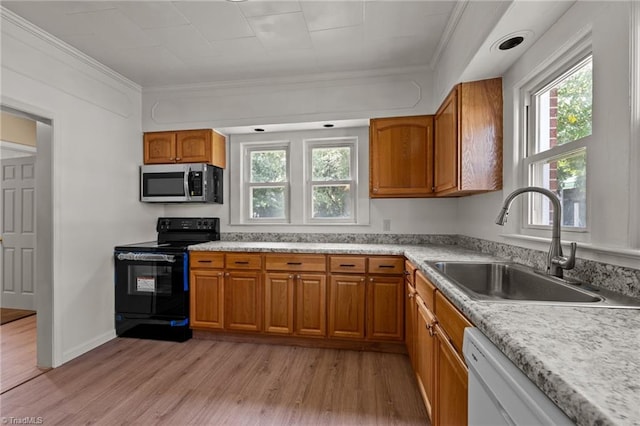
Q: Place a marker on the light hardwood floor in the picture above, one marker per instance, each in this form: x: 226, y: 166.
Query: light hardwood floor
x: 18, y: 353
x: 209, y: 382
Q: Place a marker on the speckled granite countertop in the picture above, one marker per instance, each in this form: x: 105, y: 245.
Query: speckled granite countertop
x: 587, y: 360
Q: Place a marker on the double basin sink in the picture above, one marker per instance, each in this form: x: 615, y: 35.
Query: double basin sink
x: 505, y: 281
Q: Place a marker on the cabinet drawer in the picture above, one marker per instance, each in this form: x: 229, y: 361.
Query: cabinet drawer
x: 426, y: 290
x: 206, y: 260
x: 386, y: 265
x: 410, y: 272
x: 451, y: 320
x: 348, y: 264
x: 243, y: 261
x: 296, y: 262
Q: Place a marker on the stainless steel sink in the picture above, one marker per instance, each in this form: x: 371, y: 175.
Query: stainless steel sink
x: 504, y: 281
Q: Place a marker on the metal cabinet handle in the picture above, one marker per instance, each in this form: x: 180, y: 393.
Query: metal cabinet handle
x: 294, y: 263
x: 347, y: 265
x: 241, y: 262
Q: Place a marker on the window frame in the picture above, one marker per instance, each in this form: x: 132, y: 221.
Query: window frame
x: 564, y: 65
x: 247, y: 185
x: 235, y: 184
x: 331, y: 142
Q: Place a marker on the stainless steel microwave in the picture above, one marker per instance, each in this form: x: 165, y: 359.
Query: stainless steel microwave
x: 181, y: 183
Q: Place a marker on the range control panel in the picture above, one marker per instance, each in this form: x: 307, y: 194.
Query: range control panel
x: 181, y: 224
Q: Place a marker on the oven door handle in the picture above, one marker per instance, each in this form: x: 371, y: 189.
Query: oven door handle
x: 147, y: 257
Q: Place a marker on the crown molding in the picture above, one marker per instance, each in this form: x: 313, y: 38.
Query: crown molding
x: 300, y: 79
x: 9, y: 16
x: 449, y: 29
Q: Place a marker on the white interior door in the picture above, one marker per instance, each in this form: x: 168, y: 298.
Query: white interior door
x: 18, y: 230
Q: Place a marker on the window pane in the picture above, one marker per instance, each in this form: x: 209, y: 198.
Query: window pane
x: 268, y: 202
x: 331, y: 163
x: 565, y: 110
x: 331, y: 201
x: 268, y: 166
x: 567, y: 178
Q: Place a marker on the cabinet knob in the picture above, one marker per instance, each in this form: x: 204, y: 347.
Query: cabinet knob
x: 290, y: 277
x: 219, y: 274
x: 178, y: 158
x: 298, y: 276
x: 371, y: 279
x: 375, y: 189
x: 361, y: 279
x: 172, y: 159
x: 226, y: 274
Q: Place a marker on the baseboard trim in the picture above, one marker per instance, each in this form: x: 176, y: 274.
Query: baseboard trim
x: 87, y: 346
x: 324, y: 343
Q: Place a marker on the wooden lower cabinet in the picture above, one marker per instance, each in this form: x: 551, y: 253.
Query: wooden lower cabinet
x: 243, y: 301
x: 451, y: 383
x: 278, y: 303
x: 207, y: 297
x: 295, y: 304
x: 347, y: 306
x: 385, y: 313
x: 410, y: 321
x: 425, y: 354
x: 311, y: 305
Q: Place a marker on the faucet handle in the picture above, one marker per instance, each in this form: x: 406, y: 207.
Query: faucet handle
x: 567, y: 262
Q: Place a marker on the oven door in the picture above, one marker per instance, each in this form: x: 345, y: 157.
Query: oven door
x: 154, y: 284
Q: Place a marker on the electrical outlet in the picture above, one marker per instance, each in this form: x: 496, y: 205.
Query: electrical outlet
x: 386, y: 225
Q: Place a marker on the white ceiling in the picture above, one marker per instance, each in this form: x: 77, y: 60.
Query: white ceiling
x: 162, y: 43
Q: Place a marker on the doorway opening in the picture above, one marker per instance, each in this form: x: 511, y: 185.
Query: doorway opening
x: 26, y: 254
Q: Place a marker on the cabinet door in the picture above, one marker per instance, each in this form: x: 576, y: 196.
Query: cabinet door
x: 347, y: 306
x: 451, y: 383
x: 311, y: 305
x: 425, y: 354
x: 242, y: 298
x: 159, y: 147
x: 193, y: 146
x: 278, y: 303
x: 385, y: 302
x: 401, y: 157
x: 446, y: 144
x: 410, y: 319
x: 207, y: 299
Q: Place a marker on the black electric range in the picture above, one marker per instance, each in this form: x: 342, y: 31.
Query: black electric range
x: 152, y: 279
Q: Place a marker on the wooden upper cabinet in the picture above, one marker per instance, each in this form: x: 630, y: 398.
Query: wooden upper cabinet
x: 159, y: 147
x: 446, y: 144
x: 185, y: 146
x: 468, y: 139
x: 401, y: 157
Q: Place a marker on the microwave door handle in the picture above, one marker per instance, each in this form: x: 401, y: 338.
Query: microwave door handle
x: 187, y: 179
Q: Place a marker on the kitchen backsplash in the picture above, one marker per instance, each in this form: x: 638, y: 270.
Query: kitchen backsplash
x: 411, y: 239
x: 617, y: 278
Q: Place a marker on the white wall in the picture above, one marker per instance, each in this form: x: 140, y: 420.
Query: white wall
x: 611, y: 214
x: 96, y: 150
x: 309, y: 99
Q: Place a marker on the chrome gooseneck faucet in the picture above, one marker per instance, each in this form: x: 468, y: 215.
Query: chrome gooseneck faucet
x: 556, y: 262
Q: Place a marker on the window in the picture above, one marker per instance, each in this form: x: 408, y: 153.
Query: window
x: 267, y: 183
x: 560, y: 120
x: 331, y: 180
x: 307, y: 177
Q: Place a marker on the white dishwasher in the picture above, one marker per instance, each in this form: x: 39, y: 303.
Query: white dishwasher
x: 501, y: 394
